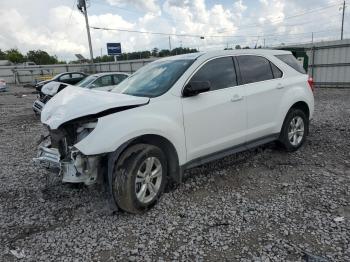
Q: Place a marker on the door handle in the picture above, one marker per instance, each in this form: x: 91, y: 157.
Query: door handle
x: 279, y: 86
x: 236, y: 98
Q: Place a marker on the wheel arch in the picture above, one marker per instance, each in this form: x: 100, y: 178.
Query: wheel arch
x: 302, y: 105
x: 163, y: 143
x: 167, y: 147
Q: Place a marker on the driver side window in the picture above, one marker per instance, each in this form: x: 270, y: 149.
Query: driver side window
x: 220, y: 72
x: 103, y: 81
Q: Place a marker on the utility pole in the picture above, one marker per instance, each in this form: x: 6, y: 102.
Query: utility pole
x: 342, y: 22
x: 256, y: 44
x: 312, y: 37
x: 82, y: 7
x: 169, y: 44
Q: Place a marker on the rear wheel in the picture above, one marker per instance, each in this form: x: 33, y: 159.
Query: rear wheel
x: 294, y: 130
x: 139, y: 177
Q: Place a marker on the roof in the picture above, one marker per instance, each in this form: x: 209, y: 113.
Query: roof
x: 227, y: 52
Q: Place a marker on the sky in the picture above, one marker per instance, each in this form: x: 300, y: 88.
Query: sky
x: 58, y: 27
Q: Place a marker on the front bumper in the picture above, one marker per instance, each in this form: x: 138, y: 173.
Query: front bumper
x: 77, y: 169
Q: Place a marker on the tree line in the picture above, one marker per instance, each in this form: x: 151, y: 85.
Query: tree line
x: 146, y: 54
x: 39, y: 57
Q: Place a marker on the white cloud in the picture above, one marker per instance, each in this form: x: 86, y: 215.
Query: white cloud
x: 59, y: 30
x: 143, y: 5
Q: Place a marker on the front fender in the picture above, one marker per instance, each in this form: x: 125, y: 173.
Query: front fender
x: 112, y: 131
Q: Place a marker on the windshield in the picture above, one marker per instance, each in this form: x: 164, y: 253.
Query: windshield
x: 86, y: 81
x: 154, y: 79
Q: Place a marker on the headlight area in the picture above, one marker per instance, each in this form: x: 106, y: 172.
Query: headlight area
x: 60, y: 153
x: 80, y: 168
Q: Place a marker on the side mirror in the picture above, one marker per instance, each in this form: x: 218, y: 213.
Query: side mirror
x: 196, y: 87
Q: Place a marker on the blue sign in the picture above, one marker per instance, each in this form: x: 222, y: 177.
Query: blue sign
x: 114, y: 49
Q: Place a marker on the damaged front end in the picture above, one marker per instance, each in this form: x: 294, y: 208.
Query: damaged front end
x: 70, y: 116
x: 58, y: 154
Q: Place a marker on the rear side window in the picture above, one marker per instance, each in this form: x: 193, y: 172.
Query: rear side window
x: 220, y: 72
x: 65, y: 77
x: 254, y: 68
x: 77, y: 75
x: 292, y: 62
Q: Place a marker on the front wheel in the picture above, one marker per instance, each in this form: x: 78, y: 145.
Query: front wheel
x: 294, y: 130
x: 139, y: 177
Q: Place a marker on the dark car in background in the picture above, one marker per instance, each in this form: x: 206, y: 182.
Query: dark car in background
x: 68, y: 78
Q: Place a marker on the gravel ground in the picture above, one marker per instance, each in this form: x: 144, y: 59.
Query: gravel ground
x: 261, y: 205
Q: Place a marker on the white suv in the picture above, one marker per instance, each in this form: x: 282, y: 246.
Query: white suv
x: 173, y: 114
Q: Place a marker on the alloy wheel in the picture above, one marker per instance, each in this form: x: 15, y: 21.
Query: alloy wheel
x: 148, y: 180
x: 296, y: 131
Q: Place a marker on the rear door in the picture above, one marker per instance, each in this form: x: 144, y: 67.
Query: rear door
x: 215, y: 120
x: 264, y: 90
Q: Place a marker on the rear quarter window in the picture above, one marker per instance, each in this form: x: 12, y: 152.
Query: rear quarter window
x: 254, y: 69
x: 292, y: 62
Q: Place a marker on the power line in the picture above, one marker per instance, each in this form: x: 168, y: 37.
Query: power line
x: 267, y: 36
x: 199, y: 36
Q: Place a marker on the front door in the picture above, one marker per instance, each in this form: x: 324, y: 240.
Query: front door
x: 215, y: 120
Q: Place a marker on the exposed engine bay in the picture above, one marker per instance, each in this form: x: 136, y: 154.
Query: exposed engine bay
x: 57, y: 153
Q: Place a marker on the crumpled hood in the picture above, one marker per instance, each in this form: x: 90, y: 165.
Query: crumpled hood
x: 74, y: 102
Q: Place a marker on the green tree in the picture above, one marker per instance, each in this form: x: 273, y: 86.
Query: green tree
x: 155, y: 51
x: 14, y: 56
x: 2, y: 55
x: 238, y: 47
x: 41, y: 57
x: 181, y: 50
x: 164, y: 52
x: 103, y: 59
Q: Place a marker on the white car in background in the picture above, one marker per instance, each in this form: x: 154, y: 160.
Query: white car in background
x: 3, y: 86
x: 100, y: 82
x: 174, y: 114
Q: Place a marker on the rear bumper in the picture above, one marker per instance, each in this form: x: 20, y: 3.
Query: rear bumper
x: 38, y: 106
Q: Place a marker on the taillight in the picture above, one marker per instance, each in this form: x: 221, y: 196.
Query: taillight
x: 311, y: 83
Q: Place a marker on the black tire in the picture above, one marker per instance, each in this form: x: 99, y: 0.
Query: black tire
x: 288, y: 145
x: 125, y: 174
